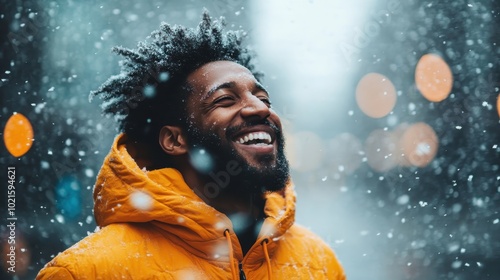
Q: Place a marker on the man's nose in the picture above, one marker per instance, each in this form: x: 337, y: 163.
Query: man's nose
x: 253, y: 107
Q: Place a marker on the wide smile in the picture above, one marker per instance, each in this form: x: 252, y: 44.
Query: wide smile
x: 258, y: 140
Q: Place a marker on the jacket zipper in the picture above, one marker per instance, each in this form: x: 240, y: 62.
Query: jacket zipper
x: 242, y: 273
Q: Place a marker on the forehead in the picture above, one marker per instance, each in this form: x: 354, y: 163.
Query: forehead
x: 217, y: 72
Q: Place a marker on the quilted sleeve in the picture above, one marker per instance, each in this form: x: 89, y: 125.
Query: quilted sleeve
x: 54, y: 273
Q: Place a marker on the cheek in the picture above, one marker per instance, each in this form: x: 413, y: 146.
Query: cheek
x: 221, y: 118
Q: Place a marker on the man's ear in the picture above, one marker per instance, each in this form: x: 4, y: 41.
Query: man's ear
x: 172, y: 140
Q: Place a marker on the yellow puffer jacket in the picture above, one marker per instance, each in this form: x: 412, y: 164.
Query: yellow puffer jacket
x: 153, y: 226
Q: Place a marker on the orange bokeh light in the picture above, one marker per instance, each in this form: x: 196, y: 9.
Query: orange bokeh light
x: 498, y: 105
x: 18, y: 135
x: 433, y: 77
x: 419, y: 144
x: 407, y: 145
x: 375, y: 95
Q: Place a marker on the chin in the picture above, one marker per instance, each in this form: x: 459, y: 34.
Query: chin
x: 265, y: 177
x: 262, y: 162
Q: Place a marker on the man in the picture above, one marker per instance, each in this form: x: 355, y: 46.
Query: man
x: 197, y: 185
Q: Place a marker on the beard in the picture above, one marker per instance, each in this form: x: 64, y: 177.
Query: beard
x: 271, y: 174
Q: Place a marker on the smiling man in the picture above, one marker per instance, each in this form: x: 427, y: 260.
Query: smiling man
x: 197, y: 184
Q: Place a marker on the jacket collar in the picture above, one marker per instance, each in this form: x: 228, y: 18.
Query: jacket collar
x: 124, y: 193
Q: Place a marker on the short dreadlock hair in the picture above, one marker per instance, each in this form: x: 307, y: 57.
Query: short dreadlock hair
x: 151, y: 90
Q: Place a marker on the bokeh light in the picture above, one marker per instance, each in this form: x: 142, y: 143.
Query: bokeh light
x: 419, y: 144
x: 18, y: 135
x: 381, y: 150
x: 375, y: 95
x: 498, y: 105
x: 68, y: 197
x: 201, y: 160
x: 433, y: 77
x: 407, y: 145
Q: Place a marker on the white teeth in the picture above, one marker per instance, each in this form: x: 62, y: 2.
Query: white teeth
x: 256, y: 135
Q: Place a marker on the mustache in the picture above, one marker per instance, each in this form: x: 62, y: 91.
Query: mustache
x: 231, y: 131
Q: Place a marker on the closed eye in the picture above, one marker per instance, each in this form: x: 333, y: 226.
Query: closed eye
x: 224, y: 100
x: 266, y: 101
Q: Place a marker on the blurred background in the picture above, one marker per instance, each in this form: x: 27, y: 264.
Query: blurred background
x: 391, y: 114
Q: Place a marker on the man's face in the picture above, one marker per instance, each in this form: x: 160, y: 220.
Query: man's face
x: 229, y: 116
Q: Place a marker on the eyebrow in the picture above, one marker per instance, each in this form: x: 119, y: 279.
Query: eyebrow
x: 216, y: 88
x: 211, y: 91
x: 261, y: 87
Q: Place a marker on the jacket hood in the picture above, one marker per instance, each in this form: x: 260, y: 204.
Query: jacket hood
x: 125, y: 193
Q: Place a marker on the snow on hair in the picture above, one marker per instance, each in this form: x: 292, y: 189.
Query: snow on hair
x: 150, y: 91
